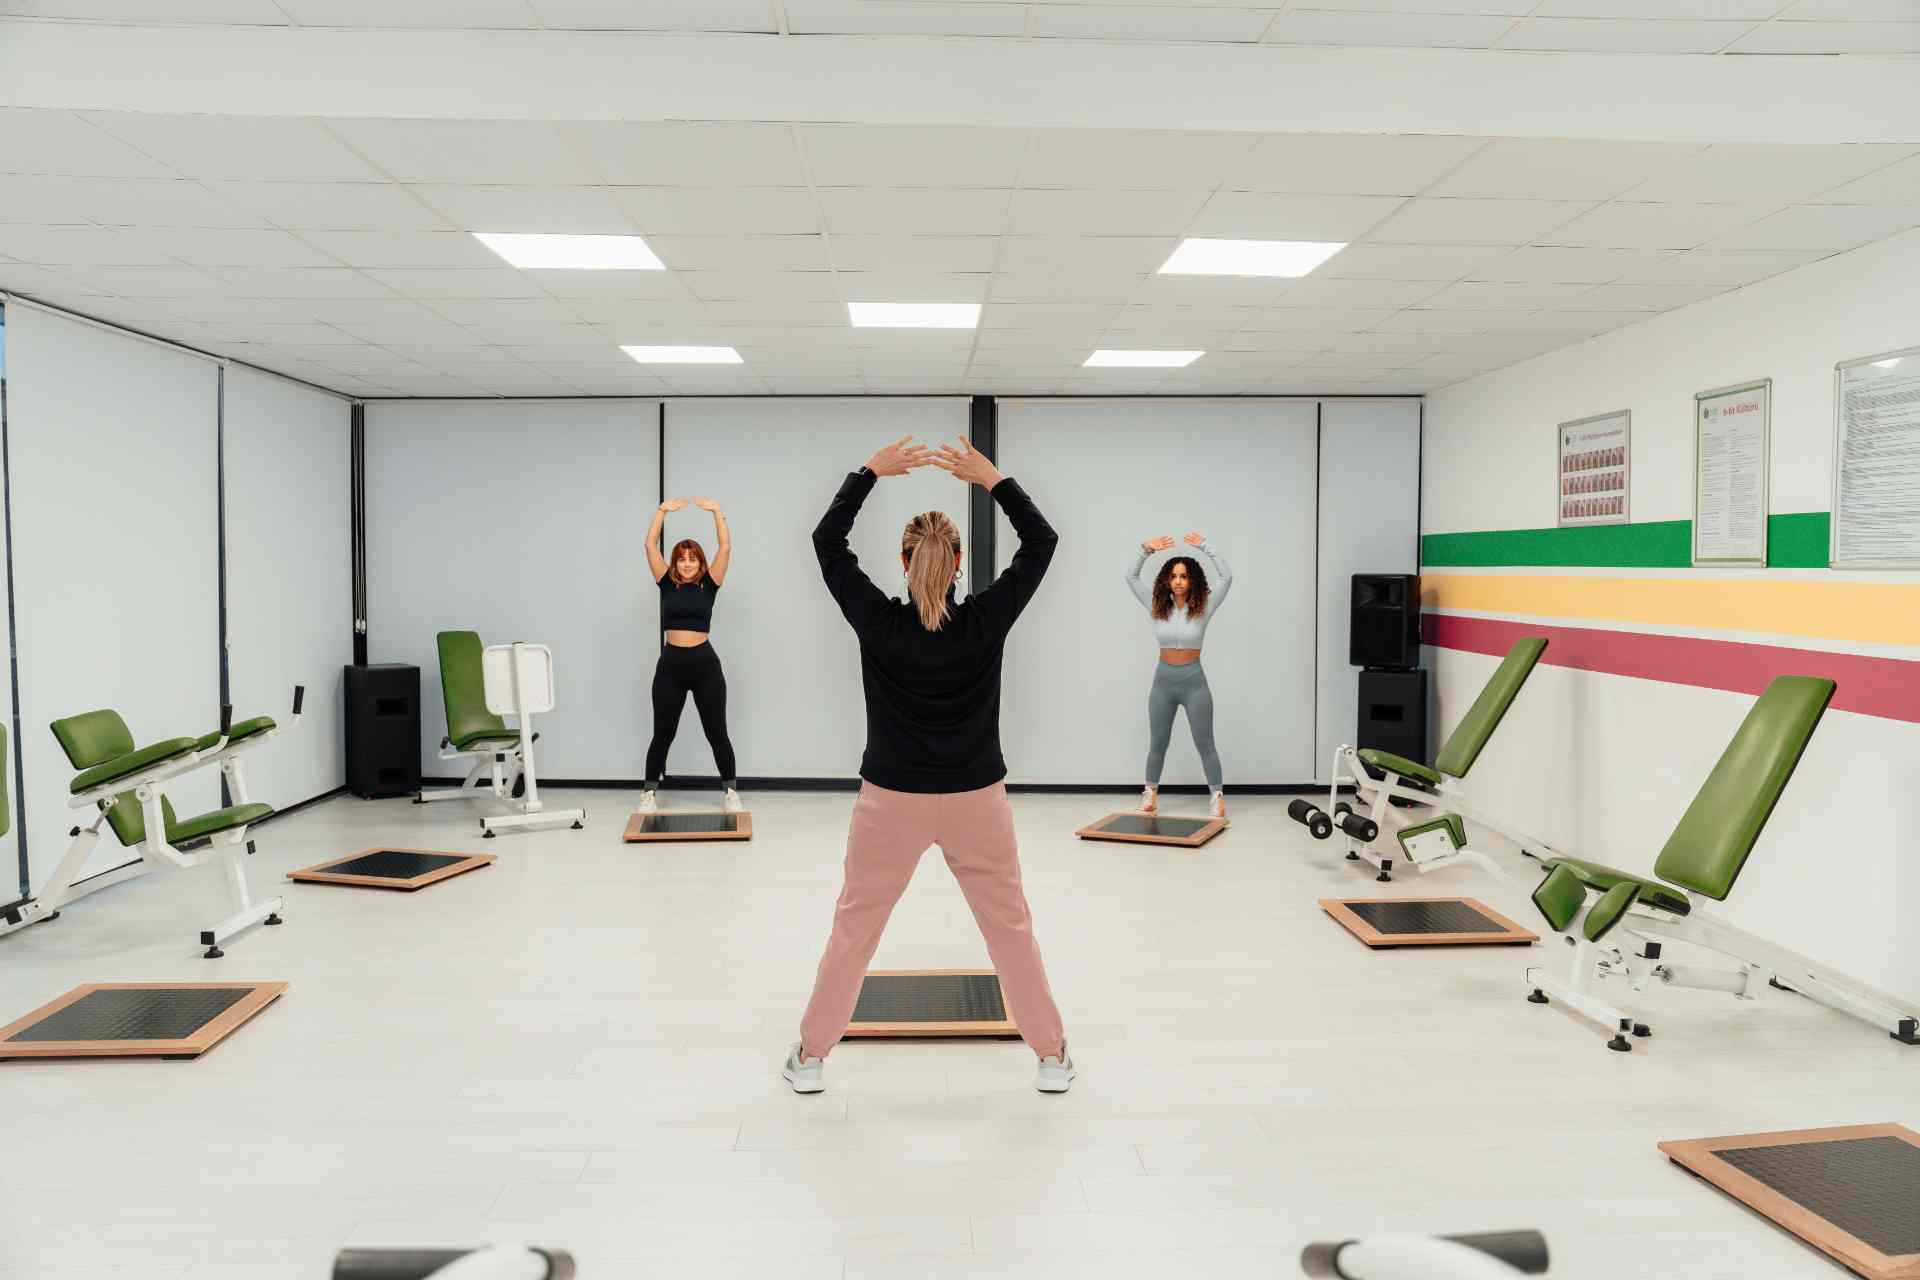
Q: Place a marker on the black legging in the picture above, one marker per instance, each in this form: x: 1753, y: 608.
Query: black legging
x: 682, y: 671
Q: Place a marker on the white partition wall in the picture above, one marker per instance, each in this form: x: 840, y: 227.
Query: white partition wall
x: 289, y: 576
x: 112, y: 449
x: 1108, y: 474
x: 795, y: 704
x: 1369, y: 523
x: 10, y: 841
x: 521, y: 521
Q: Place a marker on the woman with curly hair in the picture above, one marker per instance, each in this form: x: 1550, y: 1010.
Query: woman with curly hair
x: 1182, y: 603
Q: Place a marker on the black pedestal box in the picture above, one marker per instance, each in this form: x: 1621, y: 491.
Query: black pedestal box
x: 383, y: 730
x: 1393, y: 713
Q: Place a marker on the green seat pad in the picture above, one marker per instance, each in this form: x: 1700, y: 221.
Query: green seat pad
x: 466, y: 740
x: 1719, y: 829
x: 131, y: 763
x: 239, y: 815
x: 1398, y: 764
x: 1603, y: 878
x: 245, y: 729
x: 1469, y: 737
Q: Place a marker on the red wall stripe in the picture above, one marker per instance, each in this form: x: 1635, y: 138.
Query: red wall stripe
x: 1873, y: 686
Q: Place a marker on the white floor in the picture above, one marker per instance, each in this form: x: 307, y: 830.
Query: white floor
x: 579, y: 1046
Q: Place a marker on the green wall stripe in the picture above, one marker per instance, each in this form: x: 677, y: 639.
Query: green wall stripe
x: 1794, y: 541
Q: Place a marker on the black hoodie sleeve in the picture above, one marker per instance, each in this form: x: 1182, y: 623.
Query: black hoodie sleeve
x: 1007, y: 597
x: 853, y: 591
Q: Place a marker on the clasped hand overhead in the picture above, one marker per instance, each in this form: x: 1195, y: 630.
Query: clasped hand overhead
x: 1165, y: 540
x: 963, y: 462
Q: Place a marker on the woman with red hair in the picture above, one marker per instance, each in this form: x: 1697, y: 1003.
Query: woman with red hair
x: 688, y: 663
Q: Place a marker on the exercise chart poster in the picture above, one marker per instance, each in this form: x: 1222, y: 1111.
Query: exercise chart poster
x: 1594, y: 470
x: 1730, y: 454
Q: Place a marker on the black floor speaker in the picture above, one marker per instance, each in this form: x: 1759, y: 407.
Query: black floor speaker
x: 1393, y: 713
x: 383, y: 730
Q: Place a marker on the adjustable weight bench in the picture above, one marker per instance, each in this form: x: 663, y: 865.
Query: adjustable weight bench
x: 1618, y: 922
x: 477, y: 685
x: 128, y: 786
x: 1423, y: 808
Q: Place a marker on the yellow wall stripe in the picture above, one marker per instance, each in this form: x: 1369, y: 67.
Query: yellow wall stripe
x: 1861, y: 612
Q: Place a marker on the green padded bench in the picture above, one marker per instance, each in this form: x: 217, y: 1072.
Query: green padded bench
x: 1422, y: 806
x: 1618, y: 921
x: 126, y: 785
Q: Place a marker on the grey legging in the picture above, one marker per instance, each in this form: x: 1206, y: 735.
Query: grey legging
x: 1175, y: 687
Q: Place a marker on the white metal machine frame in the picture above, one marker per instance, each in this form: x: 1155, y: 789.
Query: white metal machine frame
x: 519, y: 682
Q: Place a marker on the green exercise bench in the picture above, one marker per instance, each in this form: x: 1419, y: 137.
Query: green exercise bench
x: 1617, y: 923
x: 479, y: 685
x: 127, y: 787
x: 1424, y: 808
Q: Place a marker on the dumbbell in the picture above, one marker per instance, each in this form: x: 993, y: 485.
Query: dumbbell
x: 1312, y: 817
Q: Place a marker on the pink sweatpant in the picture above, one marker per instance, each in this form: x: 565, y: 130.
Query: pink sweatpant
x: 890, y: 830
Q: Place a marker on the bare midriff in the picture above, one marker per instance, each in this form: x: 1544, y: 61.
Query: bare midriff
x: 686, y: 639
x: 1177, y: 657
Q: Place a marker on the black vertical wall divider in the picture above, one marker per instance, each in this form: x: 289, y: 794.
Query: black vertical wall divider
x: 13, y: 640
x: 983, y: 427
x: 220, y: 551
x: 357, y: 524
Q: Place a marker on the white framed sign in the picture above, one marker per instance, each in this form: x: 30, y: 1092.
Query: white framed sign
x: 1876, y: 462
x: 1732, y: 433
x: 1594, y: 466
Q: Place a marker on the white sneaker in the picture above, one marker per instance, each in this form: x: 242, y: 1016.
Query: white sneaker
x: 807, y: 1075
x: 648, y: 803
x: 1149, y: 801
x: 1219, y: 809
x: 732, y: 803
x: 1056, y: 1074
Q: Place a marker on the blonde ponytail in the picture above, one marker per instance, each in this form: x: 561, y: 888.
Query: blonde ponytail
x: 932, y: 547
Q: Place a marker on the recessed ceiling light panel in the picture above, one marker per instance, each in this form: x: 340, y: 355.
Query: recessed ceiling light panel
x: 1248, y: 257
x: 1105, y: 359
x: 571, y: 253
x: 684, y: 355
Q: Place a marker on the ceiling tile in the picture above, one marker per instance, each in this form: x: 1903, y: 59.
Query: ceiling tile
x: 1322, y: 319
x: 778, y: 313
x: 914, y: 286
x: 1622, y: 35
x: 1702, y: 266
x: 1622, y: 225
x: 482, y: 14
x: 124, y: 202
x: 1208, y: 290
x: 1644, y: 297
x: 1509, y: 8
x: 1003, y: 315
x: 1123, y: 159
x: 1885, y: 38
x: 404, y: 249
x: 915, y: 253
x: 656, y: 15
x: 80, y: 246
x: 1577, y: 266
x: 1434, y: 220
x: 1349, y: 164
x: 1314, y: 292
x: 1103, y: 213
x: 557, y: 209
x: 742, y: 253
x: 1408, y: 261
x: 926, y: 210
x: 1850, y: 11
x: 1558, y: 169
x: 1260, y: 215
x: 1084, y: 287
x: 302, y: 282
x: 656, y: 285
x: 1503, y: 295
x: 684, y: 154
x: 241, y: 12
x: 59, y: 142
x: 890, y: 17
x: 1898, y: 183
x: 255, y: 148
x: 728, y: 211
x: 480, y: 152
x: 332, y: 206
x: 1141, y: 22
x: 226, y: 247
x: 859, y: 155
x: 1739, y: 173
x: 1812, y: 227
x: 1055, y: 255
x: 1708, y: 10
x: 768, y: 286
x: 1453, y: 31
x: 153, y: 282
x: 486, y: 282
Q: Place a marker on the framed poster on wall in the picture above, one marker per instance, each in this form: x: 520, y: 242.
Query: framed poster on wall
x: 1594, y: 469
x: 1732, y: 429
x: 1876, y: 462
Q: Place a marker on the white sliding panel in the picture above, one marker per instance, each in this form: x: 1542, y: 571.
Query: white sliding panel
x: 1369, y: 523
x: 10, y: 841
x: 521, y: 521
x: 1109, y: 474
x: 112, y: 444
x: 794, y: 701
x: 289, y: 576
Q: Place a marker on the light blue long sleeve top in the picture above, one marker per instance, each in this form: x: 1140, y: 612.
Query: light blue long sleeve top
x: 1178, y: 630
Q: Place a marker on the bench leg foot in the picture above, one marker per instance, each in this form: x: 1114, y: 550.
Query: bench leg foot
x: 1538, y: 997
x: 1619, y: 1044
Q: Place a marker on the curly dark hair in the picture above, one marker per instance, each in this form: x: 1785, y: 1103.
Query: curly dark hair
x: 1196, y: 588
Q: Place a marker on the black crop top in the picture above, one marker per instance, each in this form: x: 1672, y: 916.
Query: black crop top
x: 687, y: 606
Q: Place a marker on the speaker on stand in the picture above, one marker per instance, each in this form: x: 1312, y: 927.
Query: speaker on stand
x: 1384, y: 642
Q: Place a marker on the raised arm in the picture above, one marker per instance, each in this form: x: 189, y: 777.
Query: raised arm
x: 723, y: 539
x: 657, y: 561
x: 1009, y: 593
x: 1222, y: 572
x: 852, y: 590
x: 1137, y: 584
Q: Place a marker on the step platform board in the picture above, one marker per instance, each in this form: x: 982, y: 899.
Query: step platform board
x: 383, y: 868
x: 1851, y: 1192
x: 1426, y: 922
x: 687, y: 824
x: 1154, y: 828
x: 137, y: 1020
x: 913, y: 1003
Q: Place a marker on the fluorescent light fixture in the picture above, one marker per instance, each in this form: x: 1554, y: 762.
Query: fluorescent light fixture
x: 571, y: 253
x: 1141, y: 359
x: 914, y: 315
x: 1248, y: 257
x: 684, y: 355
